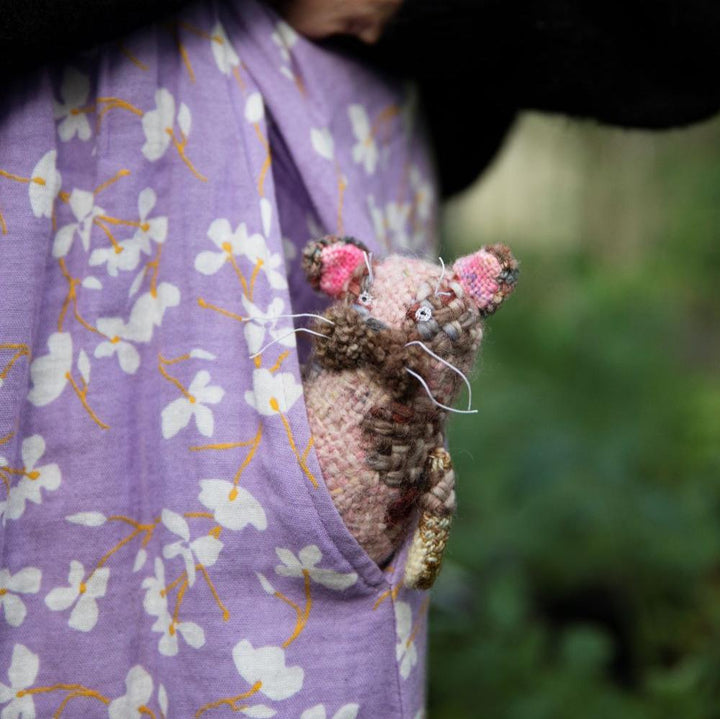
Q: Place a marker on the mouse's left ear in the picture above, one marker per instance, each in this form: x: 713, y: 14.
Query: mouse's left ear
x: 331, y: 262
x: 488, y: 276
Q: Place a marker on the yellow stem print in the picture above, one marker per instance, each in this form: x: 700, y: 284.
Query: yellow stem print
x: 392, y: 593
x: 384, y: 117
x: 3, y: 224
x: 144, y: 226
x: 81, y: 392
x: 133, y: 59
x: 418, y: 621
x: 199, y: 32
x: 173, y: 380
x: 120, y: 173
x: 109, y: 235
x: 238, y: 77
x: 302, y: 615
x: 342, y: 186
x: 252, y: 443
x: 71, y: 297
x: 180, y: 145
x: 178, y: 601
x: 232, y: 702
x: 155, y: 264
x: 227, y: 247
x: 209, y: 306
x: 301, y: 458
x: 114, y: 103
x: 281, y: 358
x: 253, y: 278
x: 20, y: 350
x: 216, y: 596
x: 266, y: 161
x: 6, y: 438
x: 74, y: 690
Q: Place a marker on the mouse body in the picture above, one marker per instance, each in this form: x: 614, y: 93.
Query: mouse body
x: 390, y: 356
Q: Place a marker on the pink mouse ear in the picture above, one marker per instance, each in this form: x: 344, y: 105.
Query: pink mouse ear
x: 331, y: 262
x: 488, y: 276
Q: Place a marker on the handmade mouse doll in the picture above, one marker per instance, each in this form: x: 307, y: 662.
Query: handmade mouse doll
x: 389, y: 357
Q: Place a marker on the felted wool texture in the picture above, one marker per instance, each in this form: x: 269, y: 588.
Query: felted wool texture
x: 379, y: 436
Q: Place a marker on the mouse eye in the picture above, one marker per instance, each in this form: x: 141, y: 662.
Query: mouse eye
x: 365, y: 298
x: 423, y: 314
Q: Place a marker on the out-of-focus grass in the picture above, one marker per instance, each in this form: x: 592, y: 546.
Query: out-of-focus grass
x: 583, y: 574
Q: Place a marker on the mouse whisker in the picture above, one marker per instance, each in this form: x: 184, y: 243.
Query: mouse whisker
x: 447, y: 364
x: 433, y: 400
x: 299, y: 314
x: 285, y: 336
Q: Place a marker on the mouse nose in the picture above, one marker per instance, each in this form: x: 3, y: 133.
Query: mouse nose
x: 375, y: 324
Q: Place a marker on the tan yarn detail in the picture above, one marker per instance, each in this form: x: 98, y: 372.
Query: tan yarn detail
x: 433, y: 530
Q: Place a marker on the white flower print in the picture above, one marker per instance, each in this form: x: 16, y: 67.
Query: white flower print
x: 323, y: 143
x: 176, y: 415
x: 45, y: 185
x: 229, y: 244
x: 391, y: 223
x: 348, y: 711
x: 256, y: 250
x: 34, y: 479
x: 74, y: 91
x: 155, y: 604
x: 26, y: 581
x: 153, y: 228
x: 139, y: 688
x: 204, y: 550
x: 224, y: 53
x: 285, y: 38
x: 82, y: 204
x: 48, y: 373
x: 365, y: 150
x: 266, y: 666
x: 262, y: 323
x: 273, y: 393
x: 233, y: 507
x: 128, y: 356
x: 124, y: 258
x: 306, y: 561
x: 405, y: 651
x: 146, y: 314
x: 22, y: 673
x: 424, y: 193
x: 82, y: 594
x: 157, y: 125
x: 254, y: 108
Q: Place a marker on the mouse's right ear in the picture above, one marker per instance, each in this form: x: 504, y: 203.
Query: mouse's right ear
x: 331, y: 262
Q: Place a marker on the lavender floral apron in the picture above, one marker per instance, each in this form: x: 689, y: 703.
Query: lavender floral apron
x: 167, y: 545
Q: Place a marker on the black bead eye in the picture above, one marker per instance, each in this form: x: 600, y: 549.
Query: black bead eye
x: 365, y: 298
x: 423, y: 314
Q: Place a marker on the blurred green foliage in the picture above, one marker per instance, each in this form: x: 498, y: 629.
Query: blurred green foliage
x: 583, y: 575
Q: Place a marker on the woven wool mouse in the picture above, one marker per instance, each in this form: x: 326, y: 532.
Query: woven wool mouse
x: 389, y: 358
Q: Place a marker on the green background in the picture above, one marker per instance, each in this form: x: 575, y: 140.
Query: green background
x: 582, y: 579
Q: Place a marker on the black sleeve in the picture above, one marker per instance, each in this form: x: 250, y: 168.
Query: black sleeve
x: 634, y: 63
x: 36, y: 31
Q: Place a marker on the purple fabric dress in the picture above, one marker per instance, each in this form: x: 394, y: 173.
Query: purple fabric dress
x: 168, y: 547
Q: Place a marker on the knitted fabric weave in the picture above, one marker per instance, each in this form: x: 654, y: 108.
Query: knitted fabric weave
x: 379, y: 433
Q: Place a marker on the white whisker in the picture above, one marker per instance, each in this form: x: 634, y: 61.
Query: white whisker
x: 368, y: 264
x: 299, y: 314
x: 437, y: 286
x: 447, y: 364
x: 433, y: 400
x: 279, y: 339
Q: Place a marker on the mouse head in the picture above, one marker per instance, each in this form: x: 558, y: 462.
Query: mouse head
x: 395, y: 314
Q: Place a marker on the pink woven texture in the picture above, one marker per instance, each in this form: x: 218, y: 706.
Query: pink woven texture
x: 379, y: 436
x: 339, y: 262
